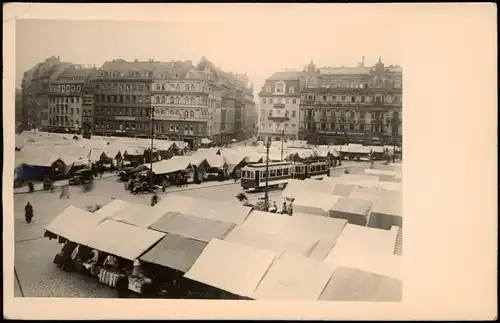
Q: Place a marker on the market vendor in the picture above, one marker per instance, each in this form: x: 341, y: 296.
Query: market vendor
x: 111, y: 261
x: 138, y: 272
x: 92, y: 263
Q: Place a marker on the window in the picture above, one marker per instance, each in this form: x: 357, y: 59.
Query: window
x: 172, y: 100
x: 280, y: 87
x: 158, y: 87
x: 73, y: 88
x: 353, y: 99
x: 272, y: 173
x: 192, y: 88
x: 324, y: 97
x: 177, y: 100
x: 291, y: 90
x: 268, y: 89
x: 294, y: 101
x: 191, y: 128
x: 270, y: 113
x: 279, y: 172
x: 178, y: 87
x: 79, y: 88
x: 343, y: 97
x: 191, y: 114
x: 163, y: 87
x: 64, y: 89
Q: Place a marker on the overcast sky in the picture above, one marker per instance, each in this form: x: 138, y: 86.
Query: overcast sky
x: 257, y: 48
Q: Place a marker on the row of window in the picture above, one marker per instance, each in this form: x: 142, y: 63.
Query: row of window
x: 63, y: 121
x: 181, y: 100
x: 65, y: 88
x: 113, y: 86
x: 280, y: 87
x: 127, y: 74
x: 63, y: 109
x: 123, y: 111
x: 179, y: 113
x: 354, y: 98
x: 274, y: 127
x: 278, y: 113
x: 361, y: 127
x: 125, y: 99
x: 344, y: 114
x: 180, y: 86
x: 121, y: 125
x: 188, y: 129
x: 279, y: 100
x: 66, y: 99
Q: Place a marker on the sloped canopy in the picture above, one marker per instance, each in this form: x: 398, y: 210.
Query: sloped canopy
x: 204, y: 208
x: 386, y: 213
x: 111, y: 209
x: 279, y: 242
x: 314, y: 203
x: 232, y: 267
x: 351, y: 284
x: 74, y: 224
x: 139, y: 215
x: 192, y: 227
x: 266, y: 222
x: 355, y: 211
x: 169, y: 166
x: 294, y: 278
x: 114, y: 237
x: 175, y: 252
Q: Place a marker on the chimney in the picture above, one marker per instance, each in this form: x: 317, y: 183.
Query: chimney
x: 363, y: 61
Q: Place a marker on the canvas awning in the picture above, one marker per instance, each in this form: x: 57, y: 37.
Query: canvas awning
x: 216, y: 161
x: 314, y: 203
x: 367, y: 249
x: 74, y: 224
x: 266, y: 222
x: 175, y: 252
x: 351, y: 284
x: 294, y: 278
x: 343, y: 189
x: 139, y: 215
x: 122, y: 239
x: 279, y: 242
x: 355, y: 211
x: 169, y: 166
x: 296, y: 187
x: 111, y: 209
x: 386, y: 213
x: 192, y: 227
x: 204, y: 208
x: 232, y: 267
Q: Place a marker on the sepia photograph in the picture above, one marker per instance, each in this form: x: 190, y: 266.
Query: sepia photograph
x: 209, y: 160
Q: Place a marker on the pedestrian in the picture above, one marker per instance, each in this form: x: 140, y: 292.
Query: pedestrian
x: 284, y: 210
x: 154, y: 199
x: 31, y: 187
x: 28, y: 212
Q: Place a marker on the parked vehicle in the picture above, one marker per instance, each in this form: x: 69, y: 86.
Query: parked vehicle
x: 82, y: 176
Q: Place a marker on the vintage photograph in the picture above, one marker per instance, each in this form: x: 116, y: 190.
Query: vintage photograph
x: 176, y: 160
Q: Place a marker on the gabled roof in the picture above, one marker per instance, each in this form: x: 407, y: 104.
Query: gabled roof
x: 285, y: 76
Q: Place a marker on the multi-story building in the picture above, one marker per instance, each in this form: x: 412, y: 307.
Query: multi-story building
x: 280, y: 106
x: 35, y: 86
x: 122, y: 100
x: 181, y: 96
x: 19, y: 110
x: 249, y: 124
x: 88, y: 106
x: 355, y: 104
x: 66, y: 99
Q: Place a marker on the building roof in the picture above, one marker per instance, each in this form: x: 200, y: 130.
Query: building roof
x: 77, y: 73
x: 135, y: 66
x: 345, y: 70
x: 285, y: 76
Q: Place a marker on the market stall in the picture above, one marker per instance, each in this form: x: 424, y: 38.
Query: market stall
x: 355, y: 211
x: 386, y: 213
x: 112, y: 208
x: 314, y: 203
x: 139, y: 215
x: 192, y: 227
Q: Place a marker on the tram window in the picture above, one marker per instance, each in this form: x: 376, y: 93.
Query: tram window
x: 279, y: 172
x: 263, y: 174
x: 317, y: 168
x: 252, y: 175
x: 273, y: 173
x: 243, y: 174
x: 285, y: 171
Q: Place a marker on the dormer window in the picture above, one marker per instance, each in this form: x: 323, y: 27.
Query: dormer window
x: 268, y: 89
x: 291, y: 90
x: 279, y: 87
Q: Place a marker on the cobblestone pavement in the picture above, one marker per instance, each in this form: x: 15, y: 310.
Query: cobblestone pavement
x: 34, y: 254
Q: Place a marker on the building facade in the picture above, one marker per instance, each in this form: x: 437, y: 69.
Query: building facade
x: 19, y: 109
x: 66, y: 99
x: 35, y: 88
x: 122, y: 98
x: 280, y: 106
x: 351, y: 104
x: 181, y: 96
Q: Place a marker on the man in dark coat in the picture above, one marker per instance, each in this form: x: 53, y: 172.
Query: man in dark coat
x: 28, y: 212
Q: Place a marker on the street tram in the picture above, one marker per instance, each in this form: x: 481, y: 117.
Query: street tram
x: 253, y: 176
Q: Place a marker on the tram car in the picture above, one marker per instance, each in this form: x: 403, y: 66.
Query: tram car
x: 253, y: 175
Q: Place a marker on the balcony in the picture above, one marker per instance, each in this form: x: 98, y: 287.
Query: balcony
x: 279, y: 105
x: 278, y: 118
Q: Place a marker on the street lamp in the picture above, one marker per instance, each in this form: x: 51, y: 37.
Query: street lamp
x: 266, y: 192
x: 282, y: 140
x: 152, y: 113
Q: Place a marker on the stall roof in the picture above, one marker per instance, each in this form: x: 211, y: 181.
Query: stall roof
x: 139, y: 215
x: 192, y: 227
x: 389, y: 206
x: 111, y: 209
x: 266, y: 222
x: 294, y: 278
x: 175, y: 252
x: 74, y: 224
x: 279, y: 242
x: 367, y: 249
x: 232, y: 267
x: 390, y: 186
x: 352, y: 206
x: 327, y: 230
x: 204, y: 208
x: 373, y: 193
x: 381, y: 172
x: 216, y: 161
x: 343, y: 189
x: 314, y: 203
x: 296, y: 187
x: 351, y: 284
x: 169, y: 166
x: 95, y: 154
x: 358, y: 177
x: 40, y: 159
x: 122, y: 239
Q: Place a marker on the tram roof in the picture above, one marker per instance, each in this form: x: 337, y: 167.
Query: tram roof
x: 270, y: 164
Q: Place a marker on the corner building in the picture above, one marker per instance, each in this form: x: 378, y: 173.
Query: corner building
x: 351, y: 104
x: 280, y: 106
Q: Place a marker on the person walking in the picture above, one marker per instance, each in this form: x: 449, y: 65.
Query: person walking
x: 28, y: 212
